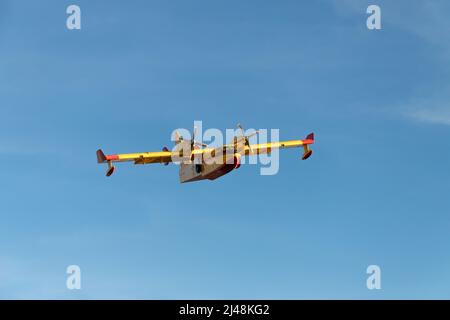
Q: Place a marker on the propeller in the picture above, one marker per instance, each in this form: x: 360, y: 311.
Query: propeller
x: 247, y: 138
x: 195, y: 143
x: 178, y: 137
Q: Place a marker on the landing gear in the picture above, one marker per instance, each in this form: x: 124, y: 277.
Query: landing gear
x: 307, y: 155
x: 111, y: 169
x: 307, y: 152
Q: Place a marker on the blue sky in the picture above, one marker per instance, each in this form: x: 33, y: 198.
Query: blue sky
x: 374, y: 192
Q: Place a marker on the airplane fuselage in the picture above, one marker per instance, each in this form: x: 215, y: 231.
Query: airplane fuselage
x: 192, y: 171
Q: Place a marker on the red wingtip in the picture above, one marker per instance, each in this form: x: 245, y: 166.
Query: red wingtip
x: 101, y: 158
x: 309, y: 139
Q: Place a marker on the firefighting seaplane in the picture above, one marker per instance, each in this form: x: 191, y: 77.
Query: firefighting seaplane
x: 199, y: 162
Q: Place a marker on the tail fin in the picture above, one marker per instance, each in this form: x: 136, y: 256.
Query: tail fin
x: 101, y: 158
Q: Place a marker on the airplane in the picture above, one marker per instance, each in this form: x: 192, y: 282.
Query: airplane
x: 193, y: 156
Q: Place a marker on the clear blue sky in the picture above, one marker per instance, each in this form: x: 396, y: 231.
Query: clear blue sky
x: 374, y: 192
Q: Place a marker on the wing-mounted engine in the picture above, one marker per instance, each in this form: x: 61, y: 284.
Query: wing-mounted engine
x: 184, y: 148
x: 245, y: 139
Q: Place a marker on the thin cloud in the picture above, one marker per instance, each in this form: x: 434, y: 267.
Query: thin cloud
x: 432, y: 110
x: 433, y: 116
x: 425, y: 19
x: 19, y: 149
x: 428, y: 20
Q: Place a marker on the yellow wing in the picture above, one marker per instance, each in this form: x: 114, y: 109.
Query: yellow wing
x: 165, y: 156
x: 264, y: 148
x: 138, y: 158
x: 268, y: 147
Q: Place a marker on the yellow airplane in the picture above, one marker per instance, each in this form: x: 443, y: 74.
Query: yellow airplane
x: 199, y: 162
